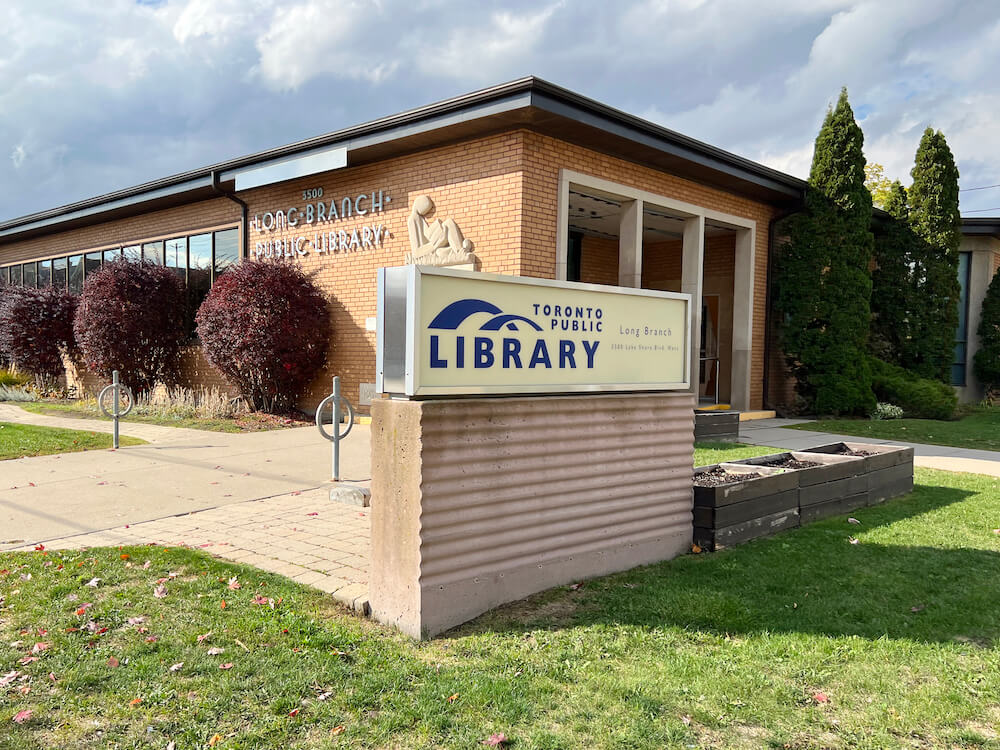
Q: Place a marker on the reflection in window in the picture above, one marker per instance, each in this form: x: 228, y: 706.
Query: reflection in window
x: 15, y: 275
x: 110, y: 255
x: 199, y: 269
x: 5, y: 275
x: 75, y: 273
x: 91, y: 263
x: 227, y: 250
x: 175, y: 252
x: 152, y: 252
x: 44, y: 273
x: 30, y: 277
x: 132, y: 253
x: 59, y: 273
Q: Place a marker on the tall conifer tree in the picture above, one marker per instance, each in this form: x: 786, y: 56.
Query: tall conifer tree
x: 892, y: 280
x: 936, y: 222
x: 823, y: 281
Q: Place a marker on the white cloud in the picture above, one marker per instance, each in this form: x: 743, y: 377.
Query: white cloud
x: 97, y: 96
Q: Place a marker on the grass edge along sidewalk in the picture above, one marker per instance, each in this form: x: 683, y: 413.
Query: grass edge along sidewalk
x: 881, y: 634
x: 25, y: 440
x: 977, y: 428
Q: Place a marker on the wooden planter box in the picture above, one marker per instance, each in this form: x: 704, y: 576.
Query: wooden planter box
x: 733, y: 513
x: 715, y: 426
x: 737, y: 512
x: 888, y: 470
x: 837, y: 485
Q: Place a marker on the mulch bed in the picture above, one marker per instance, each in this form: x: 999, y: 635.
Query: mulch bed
x: 790, y: 463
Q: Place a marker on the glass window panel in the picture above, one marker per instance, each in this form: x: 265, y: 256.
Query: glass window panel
x: 91, y: 263
x: 44, y: 273
x: 176, y: 255
x: 75, y: 273
x: 59, y: 272
x: 962, y: 334
x: 199, y: 268
x: 5, y: 275
x: 152, y: 252
x: 110, y: 255
x: 132, y: 253
x: 227, y: 250
x: 29, y: 274
x: 958, y: 374
x: 15, y: 275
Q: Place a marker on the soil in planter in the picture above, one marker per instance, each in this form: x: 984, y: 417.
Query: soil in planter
x: 719, y: 476
x: 845, y: 451
x: 789, y: 463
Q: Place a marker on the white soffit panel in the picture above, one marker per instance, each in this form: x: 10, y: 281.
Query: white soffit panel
x: 291, y: 168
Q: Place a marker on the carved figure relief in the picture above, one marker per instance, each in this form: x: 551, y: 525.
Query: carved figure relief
x: 435, y: 243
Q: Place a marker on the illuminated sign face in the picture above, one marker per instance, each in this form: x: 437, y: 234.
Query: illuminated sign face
x: 448, y: 332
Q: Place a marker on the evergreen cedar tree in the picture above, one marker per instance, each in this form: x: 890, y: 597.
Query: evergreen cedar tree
x: 37, y: 329
x: 131, y: 319
x: 986, y: 363
x: 893, y: 291
x: 266, y: 327
x: 936, y: 222
x: 823, y: 282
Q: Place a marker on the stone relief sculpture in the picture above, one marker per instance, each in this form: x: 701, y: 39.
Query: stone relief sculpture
x: 435, y: 243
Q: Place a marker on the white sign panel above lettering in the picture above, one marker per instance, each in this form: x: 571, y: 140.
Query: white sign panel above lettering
x: 446, y: 332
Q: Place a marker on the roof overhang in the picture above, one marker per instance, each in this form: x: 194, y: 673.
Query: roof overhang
x: 528, y: 103
x: 980, y: 226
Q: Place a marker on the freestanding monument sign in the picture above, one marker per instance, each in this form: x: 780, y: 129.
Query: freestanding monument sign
x: 532, y: 433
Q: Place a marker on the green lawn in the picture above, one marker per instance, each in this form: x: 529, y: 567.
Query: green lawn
x: 800, y: 641
x: 253, y: 422
x: 978, y: 427
x: 19, y: 440
x: 713, y: 453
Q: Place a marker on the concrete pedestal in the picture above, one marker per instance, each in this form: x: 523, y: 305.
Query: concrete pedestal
x: 477, y: 502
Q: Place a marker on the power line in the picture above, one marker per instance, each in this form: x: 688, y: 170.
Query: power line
x: 984, y: 187
x: 981, y: 210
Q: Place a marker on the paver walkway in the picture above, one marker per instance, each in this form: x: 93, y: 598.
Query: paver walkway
x: 772, y: 432
x: 258, y: 498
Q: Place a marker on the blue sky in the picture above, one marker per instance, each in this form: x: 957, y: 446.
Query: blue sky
x: 99, y: 96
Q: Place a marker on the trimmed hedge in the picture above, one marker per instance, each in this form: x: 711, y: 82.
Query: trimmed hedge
x: 920, y: 398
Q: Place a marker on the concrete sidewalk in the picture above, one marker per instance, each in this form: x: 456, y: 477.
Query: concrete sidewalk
x: 179, y: 471
x: 772, y: 432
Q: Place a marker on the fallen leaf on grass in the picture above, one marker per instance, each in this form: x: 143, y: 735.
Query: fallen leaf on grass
x: 223, y: 605
x: 113, y: 662
x: 52, y: 676
x: 227, y: 665
x: 453, y: 698
x: 242, y: 645
x: 338, y: 730
x: 821, y: 698
x: 695, y: 549
x: 853, y: 540
x: 135, y: 701
x: 216, y: 739
x: 8, y: 678
x: 29, y: 659
x: 323, y: 696
x: 204, y: 636
x: 177, y: 667
x: 496, y: 740
x: 39, y: 647
x: 853, y: 520
x: 145, y: 565
x: 152, y: 639
x: 294, y: 712
x: 82, y: 609
x: 234, y: 585
x: 136, y: 620
x: 160, y: 591
x: 918, y: 608
x: 215, y: 651
x: 22, y: 716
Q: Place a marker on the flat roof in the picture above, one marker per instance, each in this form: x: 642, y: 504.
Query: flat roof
x: 529, y: 103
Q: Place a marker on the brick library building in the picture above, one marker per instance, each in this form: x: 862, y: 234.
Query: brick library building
x: 525, y: 178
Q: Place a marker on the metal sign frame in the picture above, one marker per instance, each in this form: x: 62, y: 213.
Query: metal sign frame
x: 398, y: 341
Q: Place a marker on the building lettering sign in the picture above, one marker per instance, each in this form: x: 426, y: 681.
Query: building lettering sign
x: 321, y: 216
x: 447, y: 332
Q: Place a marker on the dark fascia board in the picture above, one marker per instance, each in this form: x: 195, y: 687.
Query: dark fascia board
x: 519, y: 94
x: 988, y: 226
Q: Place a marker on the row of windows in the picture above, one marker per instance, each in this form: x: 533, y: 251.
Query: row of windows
x: 199, y: 259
